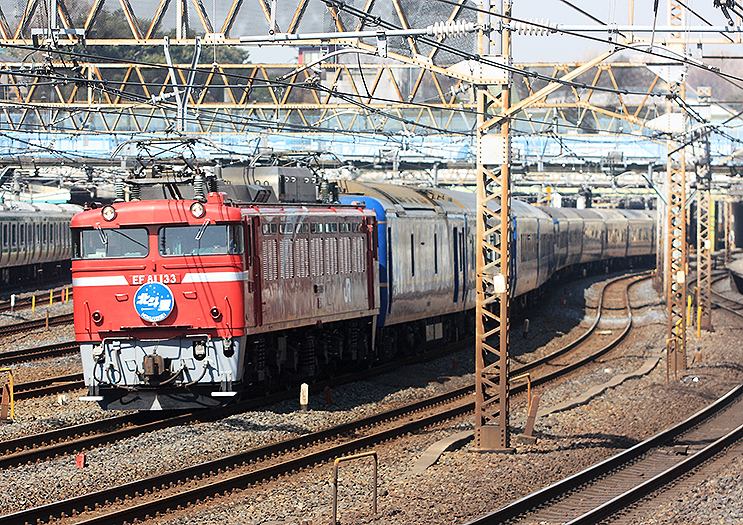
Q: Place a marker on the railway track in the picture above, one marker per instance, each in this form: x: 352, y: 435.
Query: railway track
x: 15, y: 357
x: 609, y: 488
x: 47, y: 387
x: 725, y: 303
x: 278, y: 459
x: 34, y: 324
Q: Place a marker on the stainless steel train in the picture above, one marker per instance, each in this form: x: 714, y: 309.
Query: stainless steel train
x: 35, y: 240
x: 184, y: 303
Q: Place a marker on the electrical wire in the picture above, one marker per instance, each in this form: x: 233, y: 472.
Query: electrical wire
x: 346, y: 97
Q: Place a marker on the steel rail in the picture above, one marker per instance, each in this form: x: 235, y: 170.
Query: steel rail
x: 538, y: 498
x: 133, y: 489
x: 34, y: 324
x: 62, y: 441
x: 35, y: 354
x: 545, y: 359
x: 49, y: 386
x: 664, y: 478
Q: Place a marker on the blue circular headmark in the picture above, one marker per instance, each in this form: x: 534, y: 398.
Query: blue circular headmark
x: 153, y: 302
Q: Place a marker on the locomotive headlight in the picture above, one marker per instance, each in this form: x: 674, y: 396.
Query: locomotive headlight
x: 108, y: 212
x: 197, y: 210
x: 97, y: 317
x: 199, y: 350
x: 215, y: 313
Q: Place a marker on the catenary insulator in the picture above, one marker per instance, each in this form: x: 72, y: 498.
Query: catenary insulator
x: 325, y: 191
x: 135, y: 193
x: 450, y: 29
x: 119, y: 192
x: 527, y: 28
x: 198, y: 188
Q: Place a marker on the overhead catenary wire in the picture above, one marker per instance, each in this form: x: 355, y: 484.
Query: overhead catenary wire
x: 541, y: 77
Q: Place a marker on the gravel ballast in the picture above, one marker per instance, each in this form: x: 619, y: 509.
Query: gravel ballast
x: 463, y: 484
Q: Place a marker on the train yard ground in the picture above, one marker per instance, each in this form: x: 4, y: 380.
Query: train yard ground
x: 462, y: 485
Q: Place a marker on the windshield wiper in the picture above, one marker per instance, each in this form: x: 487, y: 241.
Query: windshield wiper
x: 103, y: 236
x: 202, y: 230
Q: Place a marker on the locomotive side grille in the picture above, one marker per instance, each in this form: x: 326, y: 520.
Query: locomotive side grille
x: 331, y: 256
x: 287, y: 259
x: 302, y: 255
x: 270, y: 263
x: 358, y: 261
x: 316, y: 254
x: 345, y: 255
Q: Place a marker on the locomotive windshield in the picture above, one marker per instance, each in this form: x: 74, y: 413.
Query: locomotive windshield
x: 111, y: 243
x: 206, y: 239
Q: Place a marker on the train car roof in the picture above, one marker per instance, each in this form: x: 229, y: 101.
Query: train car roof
x: 459, y: 200
x: 35, y: 207
x: 524, y: 209
x: 637, y: 214
x: 400, y: 197
x: 562, y: 213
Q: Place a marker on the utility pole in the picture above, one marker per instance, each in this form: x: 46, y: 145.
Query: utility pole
x: 493, y: 250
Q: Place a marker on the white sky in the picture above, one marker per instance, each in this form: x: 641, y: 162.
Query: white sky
x: 560, y: 48
x: 568, y: 49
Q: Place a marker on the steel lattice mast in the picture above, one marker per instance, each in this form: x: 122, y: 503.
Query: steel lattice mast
x: 704, y: 240
x: 492, y: 255
x: 676, y: 251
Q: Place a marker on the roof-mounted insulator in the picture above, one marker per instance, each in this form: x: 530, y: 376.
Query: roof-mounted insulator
x: 544, y: 27
x: 451, y: 29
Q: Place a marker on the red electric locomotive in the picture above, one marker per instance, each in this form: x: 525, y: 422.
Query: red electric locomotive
x: 183, y: 304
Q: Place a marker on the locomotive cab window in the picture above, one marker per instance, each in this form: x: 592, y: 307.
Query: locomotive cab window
x: 206, y: 239
x: 109, y: 243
